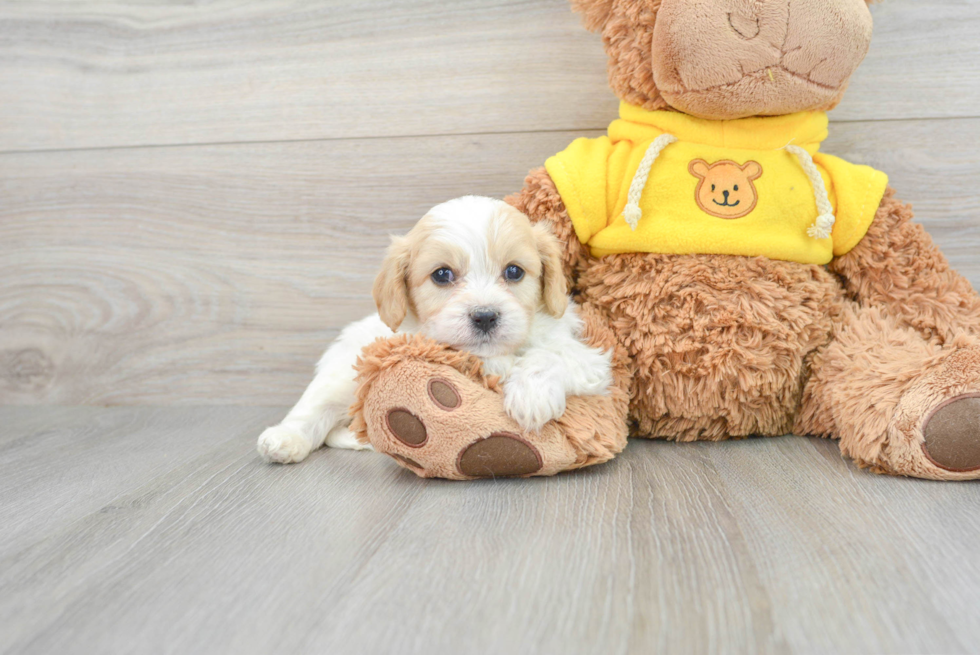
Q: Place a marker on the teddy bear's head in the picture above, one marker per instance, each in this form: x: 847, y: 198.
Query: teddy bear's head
x: 724, y: 59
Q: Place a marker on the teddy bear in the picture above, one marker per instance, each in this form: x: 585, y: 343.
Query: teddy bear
x: 745, y: 283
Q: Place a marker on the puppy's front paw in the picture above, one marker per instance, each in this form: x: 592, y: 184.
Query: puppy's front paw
x: 342, y: 437
x: 532, y: 398
x: 283, y: 444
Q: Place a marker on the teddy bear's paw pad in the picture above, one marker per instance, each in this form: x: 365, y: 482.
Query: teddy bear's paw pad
x: 407, y: 461
x: 952, y: 435
x: 407, y: 427
x: 499, y: 455
x: 444, y: 394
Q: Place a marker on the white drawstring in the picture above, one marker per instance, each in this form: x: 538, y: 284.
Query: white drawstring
x: 632, y: 212
x: 824, y: 225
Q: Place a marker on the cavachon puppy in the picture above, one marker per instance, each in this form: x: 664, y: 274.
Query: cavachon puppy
x: 476, y: 275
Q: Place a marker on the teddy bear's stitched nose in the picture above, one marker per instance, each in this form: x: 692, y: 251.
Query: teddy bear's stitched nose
x: 746, y: 25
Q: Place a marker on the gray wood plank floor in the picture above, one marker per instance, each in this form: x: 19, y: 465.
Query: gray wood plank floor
x: 160, y: 531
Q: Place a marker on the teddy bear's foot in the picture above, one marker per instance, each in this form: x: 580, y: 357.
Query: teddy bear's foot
x: 437, y: 421
x: 935, y: 431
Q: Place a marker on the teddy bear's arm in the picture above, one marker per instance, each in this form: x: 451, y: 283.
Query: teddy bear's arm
x: 897, y: 266
x: 540, y: 200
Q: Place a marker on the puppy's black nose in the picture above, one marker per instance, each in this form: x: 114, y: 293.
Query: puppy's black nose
x: 725, y: 193
x: 484, y: 320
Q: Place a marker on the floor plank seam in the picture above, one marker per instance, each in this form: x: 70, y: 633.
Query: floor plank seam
x: 434, y: 135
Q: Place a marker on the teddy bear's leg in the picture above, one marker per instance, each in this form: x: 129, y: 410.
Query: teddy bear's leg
x: 899, y: 403
x: 597, y: 426
x: 439, y: 421
x: 431, y: 409
x: 897, y: 266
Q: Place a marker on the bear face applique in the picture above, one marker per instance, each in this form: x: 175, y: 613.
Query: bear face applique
x: 726, y: 189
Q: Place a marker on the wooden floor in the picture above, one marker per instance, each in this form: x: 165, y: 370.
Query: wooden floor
x: 133, y: 530
x: 194, y: 199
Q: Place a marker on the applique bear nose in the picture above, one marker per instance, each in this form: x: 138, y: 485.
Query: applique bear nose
x: 725, y: 193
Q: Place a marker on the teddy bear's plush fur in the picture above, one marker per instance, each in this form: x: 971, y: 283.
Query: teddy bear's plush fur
x: 879, y: 349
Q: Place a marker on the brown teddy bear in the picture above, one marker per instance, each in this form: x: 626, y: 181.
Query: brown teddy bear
x: 747, y: 283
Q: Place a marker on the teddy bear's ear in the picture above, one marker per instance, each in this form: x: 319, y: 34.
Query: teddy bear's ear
x: 595, y: 13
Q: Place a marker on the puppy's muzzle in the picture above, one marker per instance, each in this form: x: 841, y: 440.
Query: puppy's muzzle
x: 484, y: 319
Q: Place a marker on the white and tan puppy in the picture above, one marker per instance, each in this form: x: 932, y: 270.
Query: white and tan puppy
x: 476, y: 275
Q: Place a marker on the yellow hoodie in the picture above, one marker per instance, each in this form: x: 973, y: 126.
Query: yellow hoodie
x: 716, y: 187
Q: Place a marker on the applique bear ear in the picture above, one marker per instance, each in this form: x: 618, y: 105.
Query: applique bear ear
x: 752, y: 170
x: 699, y: 168
x: 595, y: 13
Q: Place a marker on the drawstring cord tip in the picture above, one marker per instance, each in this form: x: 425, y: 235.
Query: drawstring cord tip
x: 632, y: 214
x: 822, y: 228
x: 824, y: 225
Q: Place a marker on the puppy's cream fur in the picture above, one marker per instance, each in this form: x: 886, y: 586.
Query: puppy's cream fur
x: 534, y: 346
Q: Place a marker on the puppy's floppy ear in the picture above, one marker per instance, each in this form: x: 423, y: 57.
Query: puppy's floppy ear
x: 552, y: 276
x: 391, y: 286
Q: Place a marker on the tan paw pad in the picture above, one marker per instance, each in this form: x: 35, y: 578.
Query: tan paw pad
x: 444, y: 394
x: 952, y: 434
x: 407, y: 428
x: 499, y: 455
x: 407, y: 461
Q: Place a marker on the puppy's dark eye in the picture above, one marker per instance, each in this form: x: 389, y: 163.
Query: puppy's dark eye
x: 712, y: 187
x: 513, y: 273
x: 736, y: 187
x: 443, y: 277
